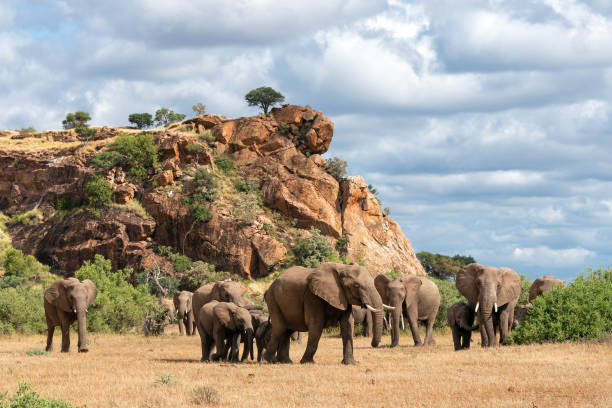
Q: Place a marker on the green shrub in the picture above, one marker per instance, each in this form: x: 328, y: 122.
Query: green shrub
x: 341, y: 243
x: 107, y: 160
x: 225, y: 165
x: 77, y: 119
x: 86, y: 132
x: 337, y: 168
x: 20, y: 265
x: 247, y: 185
x: 310, y: 252
x: 200, y: 274
x: 169, y: 283
x: 393, y: 274
x: 21, y: 310
x: 156, y: 319
x: 119, y: 306
x: 449, y: 295
x: 288, y: 129
x: 25, y: 130
x: 181, y: 262
x: 246, y: 208
x: 199, y: 211
x: 99, y: 191
x: 579, y: 311
x: 525, y: 285
x: 139, y: 152
x: 206, y: 184
x: 164, y: 250
x: 67, y: 203
x: 26, y: 397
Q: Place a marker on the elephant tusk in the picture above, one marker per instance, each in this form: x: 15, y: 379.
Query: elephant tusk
x: 495, y: 307
x: 477, y: 304
x: 74, y: 310
x: 402, y: 323
x: 371, y: 309
x: 388, y: 307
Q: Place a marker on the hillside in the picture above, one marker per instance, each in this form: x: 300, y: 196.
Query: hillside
x: 271, y: 187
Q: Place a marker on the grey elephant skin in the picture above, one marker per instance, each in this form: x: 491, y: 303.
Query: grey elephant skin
x: 543, y: 285
x: 308, y: 300
x: 460, y: 318
x: 493, y: 293
x: 363, y: 316
x: 169, y: 305
x: 184, y: 312
x: 65, y: 301
x: 223, y: 291
x: 219, y: 322
x: 417, y: 297
x: 520, y: 313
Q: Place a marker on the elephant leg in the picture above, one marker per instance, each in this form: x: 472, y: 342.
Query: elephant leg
x: 315, y: 329
x: 279, y: 327
x: 235, y: 347
x: 484, y: 338
x: 414, y: 326
x: 467, y: 338
x: 283, y: 349
x: 219, y: 336
x: 65, y: 338
x: 347, y: 325
x: 429, y: 338
x: 457, y: 335
x: 503, y: 326
x: 50, y: 330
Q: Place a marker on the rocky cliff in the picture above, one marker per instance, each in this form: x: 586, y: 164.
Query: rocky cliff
x: 277, y: 156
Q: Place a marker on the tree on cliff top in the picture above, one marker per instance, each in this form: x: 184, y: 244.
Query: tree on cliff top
x: 164, y: 116
x: 264, y: 97
x: 141, y: 120
x: 77, y: 119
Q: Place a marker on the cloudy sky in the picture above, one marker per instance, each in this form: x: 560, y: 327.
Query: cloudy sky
x: 484, y: 125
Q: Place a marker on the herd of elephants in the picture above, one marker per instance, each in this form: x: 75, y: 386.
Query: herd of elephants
x: 311, y: 299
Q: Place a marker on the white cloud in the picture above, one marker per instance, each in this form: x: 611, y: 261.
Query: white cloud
x: 545, y: 257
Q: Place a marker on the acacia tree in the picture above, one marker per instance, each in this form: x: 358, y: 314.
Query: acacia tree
x: 77, y: 119
x: 164, y: 116
x: 264, y: 97
x: 141, y: 120
x: 199, y: 108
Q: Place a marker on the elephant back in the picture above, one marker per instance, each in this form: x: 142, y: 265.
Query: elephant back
x: 201, y: 297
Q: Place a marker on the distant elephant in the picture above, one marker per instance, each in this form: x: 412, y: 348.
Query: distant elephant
x: 262, y: 338
x: 493, y: 293
x: 542, y: 285
x: 460, y: 318
x: 169, y: 305
x: 220, y: 321
x: 182, y: 303
x: 417, y: 297
x: 303, y: 299
x: 363, y: 316
x: 65, y: 301
x: 520, y: 313
x: 223, y: 291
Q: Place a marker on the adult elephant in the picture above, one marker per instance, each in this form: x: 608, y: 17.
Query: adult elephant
x: 221, y: 321
x: 184, y: 312
x: 492, y: 292
x: 364, y: 316
x: 417, y: 297
x: 65, y: 301
x: 542, y: 285
x: 169, y: 305
x: 303, y: 299
x: 222, y: 291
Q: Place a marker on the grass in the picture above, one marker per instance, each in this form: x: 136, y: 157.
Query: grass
x: 120, y: 371
x: 134, y: 206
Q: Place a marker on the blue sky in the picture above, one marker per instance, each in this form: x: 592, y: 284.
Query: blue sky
x: 485, y: 125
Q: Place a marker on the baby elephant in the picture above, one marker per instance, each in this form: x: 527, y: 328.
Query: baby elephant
x: 520, y: 313
x: 460, y: 318
x: 218, y: 321
x: 262, y: 337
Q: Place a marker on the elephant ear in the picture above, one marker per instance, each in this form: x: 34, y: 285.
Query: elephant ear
x: 325, y: 283
x: 466, y: 317
x: 189, y: 300
x: 466, y: 282
x: 226, y: 315
x: 533, y: 290
x: 175, y: 300
x: 381, y: 282
x: 92, y: 291
x: 412, y: 284
x: 57, y: 294
x: 511, y: 286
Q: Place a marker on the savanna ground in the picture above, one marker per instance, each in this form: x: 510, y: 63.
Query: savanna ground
x: 165, y: 371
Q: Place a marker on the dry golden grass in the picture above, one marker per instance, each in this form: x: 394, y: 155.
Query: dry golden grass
x: 120, y: 371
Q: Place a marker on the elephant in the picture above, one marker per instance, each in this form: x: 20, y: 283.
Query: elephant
x: 520, y: 313
x: 65, y: 301
x: 363, y: 316
x: 223, y: 291
x: 417, y: 297
x: 182, y: 303
x: 460, y: 318
x: 542, y: 285
x: 169, y: 305
x: 305, y: 299
x: 220, y: 321
x: 493, y: 293
x: 262, y: 338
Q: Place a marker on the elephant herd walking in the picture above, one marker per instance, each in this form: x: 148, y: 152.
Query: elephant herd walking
x: 311, y: 299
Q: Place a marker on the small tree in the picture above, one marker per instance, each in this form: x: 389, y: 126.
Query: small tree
x: 199, y: 108
x: 164, y: 116
x: 264, y: 97
x: 141, y: 120
x: 337, y: 168
x: 77, y: 119
x: 99, y: 191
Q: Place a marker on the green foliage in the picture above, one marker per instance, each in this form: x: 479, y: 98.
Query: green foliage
x: 99, y: 191
x: 310, y: 252
x: 166, y: 379
x: 264, y: 97
x: 148, y: 277
x: 119, y: 306
x: 525, y: 286
x: 442, y: 266
x: 288, y: 129
x: 225, y: 165
x: 337, y: 168
x: 181, y: 262
x: 36, y: 352
x: 341, y: 243
x: 247, y: 185
x: 198, y: 208
x: 21, y: 310
x: 86, y: 132
x: 107, y: 160
x: 206, y: 136
x: 77, y: 119
x: 27, y: 217
x: 449, y: 295
x: 26, y: 397
x: 247, y: 207
x: 206, y: 184
x: 141, y: 120
x: 67, y: 203
x: 393, y: 274
x: 156, y: 319
x: 165, y: 116
x: 200, y: 274
x: 579, y: 311
x: 138, y: 152
x: 194, y: 148
x: 25, y: 130
x: 199, y: 108
x: 372, y: 189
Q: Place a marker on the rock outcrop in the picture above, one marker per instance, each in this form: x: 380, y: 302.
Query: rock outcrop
x: 279, y: 153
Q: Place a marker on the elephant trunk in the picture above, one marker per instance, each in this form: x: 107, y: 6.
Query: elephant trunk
x: 82, y: 322
x: 250, y: 336
x: 190, y: 326
x: 396, y: 316
x: 485, y: 318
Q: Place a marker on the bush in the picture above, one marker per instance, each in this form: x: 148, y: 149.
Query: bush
x: 99, y: 191
x: 337, y: 168
x: 77, y: 119
x: 148, y: 277
x: 200, y: 274
x: 181, y: 262
x: 107, y: 160
x: 206, y: 184
x: 246, y: 208
x: 225, y: 165
x: 25, y: 130
x: 141, y: 120
x: 26, y: 397
x: 525, y: 286
x: 165, y: 116
x: 86, y: 132
x: 119, y: 306
x: 449, y: 295
x: 579, y: 311
x: 139, y: 152
x: 67, y: 203
x: 310, y: 252
x: 156, y: 319
x: 21, y: 310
